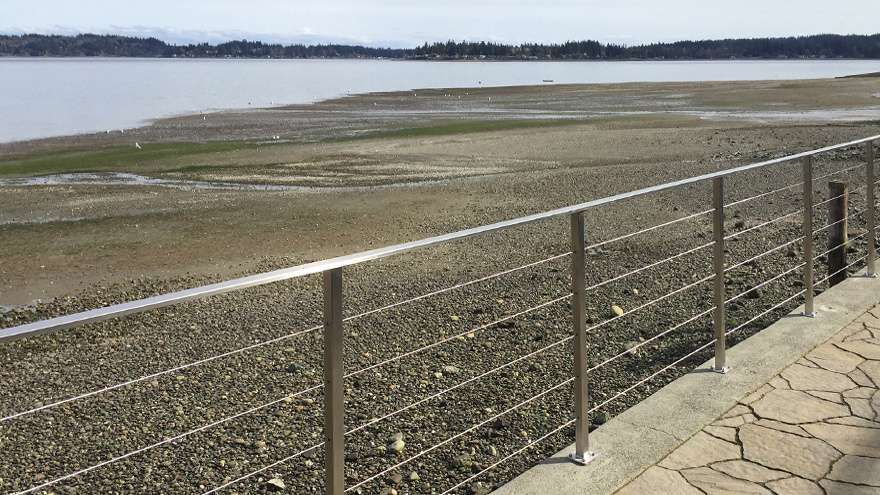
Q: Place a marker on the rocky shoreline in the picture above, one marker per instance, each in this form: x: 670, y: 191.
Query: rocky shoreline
x: 59, y: 440
x: 250, y: 399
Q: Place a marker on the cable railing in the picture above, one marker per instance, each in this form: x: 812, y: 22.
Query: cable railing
x: 571, y: 305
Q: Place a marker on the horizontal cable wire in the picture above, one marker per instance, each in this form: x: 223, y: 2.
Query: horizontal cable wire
x: 840, y: 171
x: 766, y: 282
x: 473, y: 330
x: 640, y: 344
x: 470, y: 380
x: 838, y: 246
x: 156, y: 375
x: 647, y: 267
x: 271, y: 341
x: 847, y: 267
x: 459, y: 286
x: 851, y: 191
x: 258, y: 471
x: 774, y: 308
x: 820, y: 203
x: 763, y: 194
x: 649, y: 229
x: 858, y: 189
x: 651, y: 377
x: 765, y: 253
x: 514, y: 454
x: 756, y: 227
x: 844, y: 219
x: 166, y: 441
x: 458, y: 435
x: 655, y: 301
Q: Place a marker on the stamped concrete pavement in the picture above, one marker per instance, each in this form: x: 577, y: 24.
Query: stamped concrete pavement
x: 812, y: 429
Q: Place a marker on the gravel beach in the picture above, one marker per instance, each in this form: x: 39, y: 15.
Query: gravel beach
x: 376, y: 170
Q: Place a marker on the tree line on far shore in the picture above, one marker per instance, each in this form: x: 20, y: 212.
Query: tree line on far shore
x: 91, y: 45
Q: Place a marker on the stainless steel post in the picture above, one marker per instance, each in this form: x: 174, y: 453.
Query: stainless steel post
x: 334, y: 429
x: 872, y: 252
x: 581, y: 454
x: 808, y: 237
x: 720, y: 365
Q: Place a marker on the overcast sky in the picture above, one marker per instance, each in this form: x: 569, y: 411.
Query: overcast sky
x: 407, y: 23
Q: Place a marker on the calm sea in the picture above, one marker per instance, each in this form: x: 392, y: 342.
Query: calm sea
x: 53, y: 97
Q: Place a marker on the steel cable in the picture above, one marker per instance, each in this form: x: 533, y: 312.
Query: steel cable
x: 166, y: 441
x: 756, y: 227
x: 464, y: 284
x: 258, y: 471
x: 472, y: 428
x: 651, y: 377
x: 766, y: 282
x: 649, y: 229
x: 655, y: 301
x: 514, y: 454
x: 800, y: 293
x: 155, y: 375
x: 647, y: 267
x: 838, y: 246
x: 847, y: 267
x: 473, y: 330
x: 765, y: 253
x: 640, y: 344
x: 470, y: 380
x: 763, y: 195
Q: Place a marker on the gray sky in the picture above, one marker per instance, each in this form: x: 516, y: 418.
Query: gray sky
x: 399, y: 23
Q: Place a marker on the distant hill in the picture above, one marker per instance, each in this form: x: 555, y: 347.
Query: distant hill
x: 91, y: 45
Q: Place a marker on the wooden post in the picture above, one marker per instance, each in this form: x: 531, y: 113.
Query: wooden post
x: 837, y: 218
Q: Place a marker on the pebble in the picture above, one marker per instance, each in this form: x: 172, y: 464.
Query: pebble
x: 617, y: 310
x: 397, y: 446
x: 275, y: 485
x: 414, y: 476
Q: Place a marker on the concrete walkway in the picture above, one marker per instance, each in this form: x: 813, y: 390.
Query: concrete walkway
x: 812, y: 429
x: 799, y: 413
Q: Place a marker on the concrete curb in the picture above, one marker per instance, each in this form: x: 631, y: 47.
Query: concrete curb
x: 641, y: 436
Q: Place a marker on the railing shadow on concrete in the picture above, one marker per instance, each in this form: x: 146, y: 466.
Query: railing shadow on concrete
x: 585, y: 365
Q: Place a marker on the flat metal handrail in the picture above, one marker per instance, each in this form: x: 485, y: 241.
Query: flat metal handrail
x: 142, y: 305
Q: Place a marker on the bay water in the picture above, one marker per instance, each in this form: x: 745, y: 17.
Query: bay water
x: 45, y: 97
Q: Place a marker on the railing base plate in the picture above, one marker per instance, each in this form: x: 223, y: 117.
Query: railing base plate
x: 871, y: 275
x: 582, y: 460
x: 723, y: 370
x: 808, y: 315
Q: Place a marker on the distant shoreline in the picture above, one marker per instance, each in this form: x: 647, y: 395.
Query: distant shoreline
x: 827, y: 46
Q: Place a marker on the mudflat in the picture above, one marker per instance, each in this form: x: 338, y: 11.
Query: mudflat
x: 472, y: 156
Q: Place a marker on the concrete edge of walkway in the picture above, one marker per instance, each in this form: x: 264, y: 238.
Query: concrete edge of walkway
x: 641, y: 436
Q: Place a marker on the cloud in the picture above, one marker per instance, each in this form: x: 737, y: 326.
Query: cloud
x: 193, y: 36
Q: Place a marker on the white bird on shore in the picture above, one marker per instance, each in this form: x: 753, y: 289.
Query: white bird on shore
x: 137, y: 145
